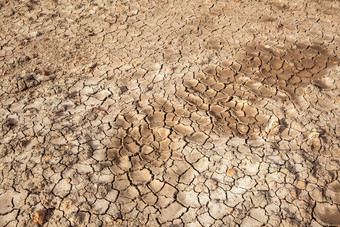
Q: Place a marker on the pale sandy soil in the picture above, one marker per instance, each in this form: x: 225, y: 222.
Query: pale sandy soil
x: 169, y: 113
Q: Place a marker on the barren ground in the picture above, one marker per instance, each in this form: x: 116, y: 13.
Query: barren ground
x: 169, y: 113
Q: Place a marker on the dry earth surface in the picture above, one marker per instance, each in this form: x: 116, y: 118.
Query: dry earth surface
x: 169, y: 113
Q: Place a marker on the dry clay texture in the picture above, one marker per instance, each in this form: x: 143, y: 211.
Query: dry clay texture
x: 169, y: 113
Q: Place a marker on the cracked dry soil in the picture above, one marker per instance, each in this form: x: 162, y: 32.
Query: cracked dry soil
x: 169, y: 113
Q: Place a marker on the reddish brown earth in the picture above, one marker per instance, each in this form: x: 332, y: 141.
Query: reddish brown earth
x: 169, y: 113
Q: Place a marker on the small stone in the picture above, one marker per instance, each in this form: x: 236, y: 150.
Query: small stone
x: 44, y: 72
x: 90, y: 67
x: 273, y: 127
x: 39, y: 217
x: 302, y: 184
x: 231, y: 172
x: 35, y: 34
